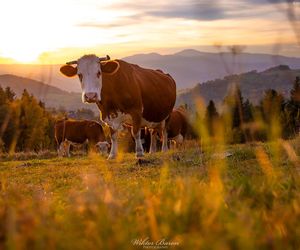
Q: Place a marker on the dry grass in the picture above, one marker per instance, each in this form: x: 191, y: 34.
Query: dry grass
x: 249, y: 200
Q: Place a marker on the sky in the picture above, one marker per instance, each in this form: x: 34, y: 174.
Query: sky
x: 55, y: 31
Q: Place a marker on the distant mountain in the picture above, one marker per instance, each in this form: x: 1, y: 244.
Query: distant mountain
x: 188, y: 67
x: 48, y: 74
x: 252, y: 84
x: 51, y: 96
x: 37, y: 88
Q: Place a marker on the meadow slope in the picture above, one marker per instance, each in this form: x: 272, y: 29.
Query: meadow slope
x: 249, y: 200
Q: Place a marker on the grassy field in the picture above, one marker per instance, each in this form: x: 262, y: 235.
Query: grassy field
x: 184, y: 199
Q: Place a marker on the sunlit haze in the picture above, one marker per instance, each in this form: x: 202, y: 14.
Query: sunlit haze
x: 38, y: 31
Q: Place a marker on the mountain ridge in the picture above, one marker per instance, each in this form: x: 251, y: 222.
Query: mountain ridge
x: 188, y: 67
x: 53, y: 97
x: 253, y: 84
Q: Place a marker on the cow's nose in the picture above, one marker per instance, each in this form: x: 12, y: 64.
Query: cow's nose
x: 90, y: 97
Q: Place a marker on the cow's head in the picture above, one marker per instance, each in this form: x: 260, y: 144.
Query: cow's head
x: 89, y: 69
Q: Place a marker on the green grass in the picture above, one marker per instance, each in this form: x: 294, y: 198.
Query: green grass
x: 249, y: 200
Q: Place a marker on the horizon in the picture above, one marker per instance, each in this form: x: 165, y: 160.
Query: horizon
x: 209, y: 50
x: 123, y: 28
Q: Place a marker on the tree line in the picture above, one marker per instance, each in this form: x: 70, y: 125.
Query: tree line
x: 274, y: 117
x: 26, y: 124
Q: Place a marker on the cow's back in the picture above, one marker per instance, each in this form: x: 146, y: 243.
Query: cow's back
x: 71, y: 130
x: 132, y: 86
x: 158, y: 93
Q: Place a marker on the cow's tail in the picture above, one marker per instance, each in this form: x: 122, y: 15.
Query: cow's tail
x: 64, y: 130
x: 104, y: 127
x: 64, y: 126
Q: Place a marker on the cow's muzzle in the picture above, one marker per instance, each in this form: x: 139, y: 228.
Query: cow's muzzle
x: 90, y: 97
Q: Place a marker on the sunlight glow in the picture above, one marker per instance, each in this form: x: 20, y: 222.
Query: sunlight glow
x: 40, y: 31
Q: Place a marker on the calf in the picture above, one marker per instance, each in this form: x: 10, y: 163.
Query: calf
x: 69, y: 132
x: 177, y: 126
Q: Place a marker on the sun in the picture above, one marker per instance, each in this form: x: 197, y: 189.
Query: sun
x: 24, y: 57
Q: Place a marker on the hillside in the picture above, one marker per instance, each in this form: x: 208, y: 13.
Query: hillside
x: 48, y: 74
x: 252, y: 84
x: 51, y: 96
x: 188, y: 67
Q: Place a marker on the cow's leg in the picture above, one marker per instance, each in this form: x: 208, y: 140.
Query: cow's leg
x: 180, y: 140
x: 136, y: 132
x: 164, y: 147
x: 114, y: 145
x: 153, y: 141
x: 67, y: 148
x: 60, y: 149
x: 139, y: 151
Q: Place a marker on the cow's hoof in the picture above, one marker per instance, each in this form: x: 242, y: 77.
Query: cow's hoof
x: 111, y: 157
x: 142, y: 162
x: 164, y: 149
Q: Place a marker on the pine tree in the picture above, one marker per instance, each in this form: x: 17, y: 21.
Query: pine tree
x: 292, y: 109
x: 211, y: 117
x: 32, y: 124
x: 295, y: 92
x: 7, y: 117
x: 234, y: 103
x: 233, y: 115
x: 3, y: 98
x: 272, y: 106
x: 10, y: 95
x: 247, y: 111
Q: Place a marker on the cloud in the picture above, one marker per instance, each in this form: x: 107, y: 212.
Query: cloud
x: 102, y: 25
x: 188, y: 9
x: 203, y: 21
x: 191, y: 10
x: 117, y: 22
x: 134, y: 13
x: 204, y: 10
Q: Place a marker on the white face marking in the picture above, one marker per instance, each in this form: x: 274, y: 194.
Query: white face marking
x: 90, y: 76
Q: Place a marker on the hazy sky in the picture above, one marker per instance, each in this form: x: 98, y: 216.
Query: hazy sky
x: 54, y: 31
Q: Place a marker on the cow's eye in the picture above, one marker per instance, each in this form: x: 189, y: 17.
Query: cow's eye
x: 98, y: 74
x: 80, y: 76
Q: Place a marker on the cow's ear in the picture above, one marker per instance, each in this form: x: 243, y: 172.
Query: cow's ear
x: 110, y: 67
x: 68, y: 70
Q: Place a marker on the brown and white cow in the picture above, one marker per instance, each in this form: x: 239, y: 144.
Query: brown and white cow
x: 177, y: 126
x: 125, y: 92
x: 68, y: 132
